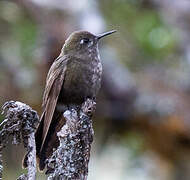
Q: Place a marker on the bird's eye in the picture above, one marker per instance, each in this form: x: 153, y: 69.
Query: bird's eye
x: 84, y: 41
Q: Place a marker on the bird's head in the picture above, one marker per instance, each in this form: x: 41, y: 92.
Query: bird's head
x: 82, y: 42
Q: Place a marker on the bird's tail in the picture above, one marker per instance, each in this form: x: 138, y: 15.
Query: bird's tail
x: 51, y: 141
x: 38, y: 140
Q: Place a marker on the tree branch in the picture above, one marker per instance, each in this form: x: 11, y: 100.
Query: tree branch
x: 20, y: 123
x: 70, y: 160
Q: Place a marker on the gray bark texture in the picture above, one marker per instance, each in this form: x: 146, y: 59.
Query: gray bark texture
x: 20, y: 124
x: 70, y: 160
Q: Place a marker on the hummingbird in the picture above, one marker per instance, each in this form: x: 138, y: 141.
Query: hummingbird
x: 74, y: 76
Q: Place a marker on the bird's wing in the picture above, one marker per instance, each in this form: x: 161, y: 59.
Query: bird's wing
x: 54, y: 83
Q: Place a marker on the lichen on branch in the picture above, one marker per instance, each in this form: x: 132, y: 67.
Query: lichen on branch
x: 70, y: 160
x: 20, y: 124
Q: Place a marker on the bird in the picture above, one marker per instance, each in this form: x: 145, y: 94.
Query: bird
x: 74, y: 76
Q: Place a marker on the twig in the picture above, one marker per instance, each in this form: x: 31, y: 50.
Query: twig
x: 20, y: 123
x: 70, y: 160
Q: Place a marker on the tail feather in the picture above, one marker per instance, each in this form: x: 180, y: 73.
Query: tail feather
x: 24, y: 161
x: 51, y: 140
x: 38, y: 139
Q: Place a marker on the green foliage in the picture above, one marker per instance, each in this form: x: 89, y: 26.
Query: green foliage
x: 25, y: 32
x: 143, y: 25
x: 134, y: 142
x: 19, y: 30
x: 151, y: 34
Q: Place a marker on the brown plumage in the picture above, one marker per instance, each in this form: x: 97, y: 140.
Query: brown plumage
x: 74, y: 76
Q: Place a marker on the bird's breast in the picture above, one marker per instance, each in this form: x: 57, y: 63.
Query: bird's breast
x: 82, y: 80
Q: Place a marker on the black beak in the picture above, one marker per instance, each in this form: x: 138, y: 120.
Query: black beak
x: 105, y: 34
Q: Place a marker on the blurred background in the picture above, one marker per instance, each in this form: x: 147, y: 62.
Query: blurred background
x: 142, y: 121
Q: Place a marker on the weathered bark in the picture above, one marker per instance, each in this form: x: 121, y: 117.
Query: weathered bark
x: 70, y: 160
x: 20, y: 124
